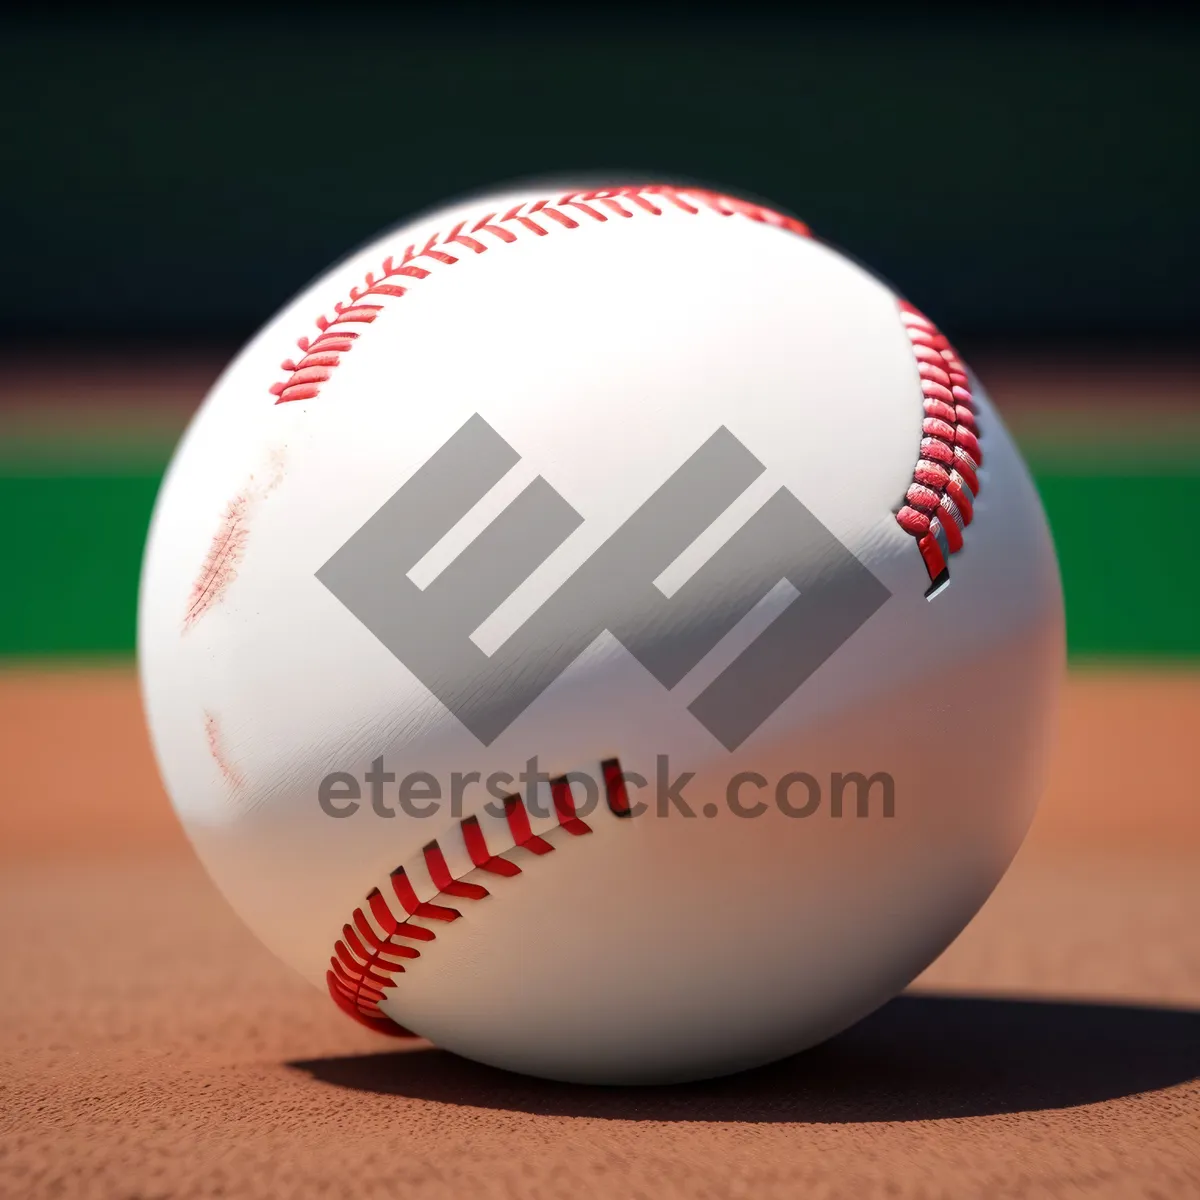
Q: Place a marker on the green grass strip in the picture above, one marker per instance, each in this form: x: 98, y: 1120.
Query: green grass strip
x: 1127, y: 544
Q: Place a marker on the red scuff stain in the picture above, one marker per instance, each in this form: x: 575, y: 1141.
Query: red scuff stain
x: 220, y: 564
x: 228, y: 546
x: 229, y: 772
x: 276, y: 465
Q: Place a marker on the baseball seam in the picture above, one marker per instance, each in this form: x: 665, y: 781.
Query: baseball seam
x: 940, y: 500
x: 336, y: 334
x: 364, y: 963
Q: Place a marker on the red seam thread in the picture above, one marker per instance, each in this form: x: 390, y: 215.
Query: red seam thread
x: 939, y: 503
x: 322, y: 354
x: 364, y: 961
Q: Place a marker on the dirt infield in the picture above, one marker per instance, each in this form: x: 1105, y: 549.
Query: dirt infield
x: 149, y: 1047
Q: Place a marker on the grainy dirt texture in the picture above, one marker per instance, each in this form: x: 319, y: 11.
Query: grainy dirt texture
x: 149, y: 1047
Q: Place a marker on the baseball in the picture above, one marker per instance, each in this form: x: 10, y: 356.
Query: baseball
x: 608, y: 633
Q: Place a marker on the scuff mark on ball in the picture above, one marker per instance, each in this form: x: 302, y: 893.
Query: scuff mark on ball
x: 228, y: 545
x: 212, y: 733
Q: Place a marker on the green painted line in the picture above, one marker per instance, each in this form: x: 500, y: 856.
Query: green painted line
x: 1126, y: 542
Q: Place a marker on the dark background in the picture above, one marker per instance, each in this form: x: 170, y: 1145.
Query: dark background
x: 179, y: 173
x: 169, y: 177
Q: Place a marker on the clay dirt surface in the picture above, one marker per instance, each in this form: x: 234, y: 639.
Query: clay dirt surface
x: 150, y: 1047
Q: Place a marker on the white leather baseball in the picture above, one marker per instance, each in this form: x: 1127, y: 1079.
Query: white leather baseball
x: 605, y: 336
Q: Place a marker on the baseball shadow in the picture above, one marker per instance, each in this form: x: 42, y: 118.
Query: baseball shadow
x: 921, y: 1057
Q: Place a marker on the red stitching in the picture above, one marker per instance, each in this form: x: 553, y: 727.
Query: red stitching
x: 614, y: 784
x: 365, y: 958
x: 323, y: 353
x: 518, y: 824
x: 940, y: 501
x: 564, y: 804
